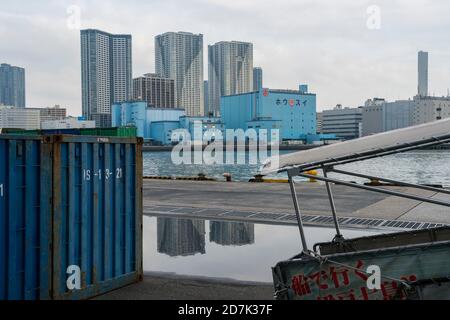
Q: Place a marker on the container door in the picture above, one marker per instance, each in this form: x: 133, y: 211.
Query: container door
x: 25, y: 219
x: 97, y: 216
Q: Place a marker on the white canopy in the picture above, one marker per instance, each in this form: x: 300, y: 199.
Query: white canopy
x: 378, y: 142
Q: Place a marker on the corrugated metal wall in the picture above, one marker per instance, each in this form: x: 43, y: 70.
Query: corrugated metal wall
x: 83, y: 196
x: 25, y: 219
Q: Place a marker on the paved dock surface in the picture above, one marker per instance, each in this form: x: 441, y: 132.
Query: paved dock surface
x: 276, y: 198
x: 172, y: 287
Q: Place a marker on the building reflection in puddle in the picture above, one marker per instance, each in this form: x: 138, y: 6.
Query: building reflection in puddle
x: 182, y: 237
x: 232, y: 233
x: 231, y: 250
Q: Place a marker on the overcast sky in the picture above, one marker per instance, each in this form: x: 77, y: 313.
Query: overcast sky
x: 326, y: 44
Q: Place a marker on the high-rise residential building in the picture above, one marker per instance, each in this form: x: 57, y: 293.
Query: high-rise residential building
x: 19, y: 118
x: 106, y: 72
x: 257, y: 78
x: 230, y: 71
x: 12, y: 86
x: 423, y: 74
x: 206, y: 98
x: 158, y: 92
x: 179, y: 56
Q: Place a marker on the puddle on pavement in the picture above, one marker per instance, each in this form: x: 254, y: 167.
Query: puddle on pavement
x: 234, y: 250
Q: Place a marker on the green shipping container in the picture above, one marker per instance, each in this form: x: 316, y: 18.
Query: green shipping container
x: 120, y: 132
x: 20, y: 132
x: 88, y: 132
x: 111, y: 132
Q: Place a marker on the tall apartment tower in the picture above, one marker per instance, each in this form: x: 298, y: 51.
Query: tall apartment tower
x: 206, y: 97
x: 156, y: 91
x: 12, y: 86
x: 257, y: 79
x: 179, y: 56
x: 423, y: 74
x: 106, y: 73
x: 230, y: 71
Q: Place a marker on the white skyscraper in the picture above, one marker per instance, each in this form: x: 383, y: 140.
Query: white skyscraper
x: 230, y: 71
x: 106, y: 72
x: 423, y: 74
x: 179, y: 56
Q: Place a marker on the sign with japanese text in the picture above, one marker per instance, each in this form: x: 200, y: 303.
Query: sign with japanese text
x: 345, y: 276
x: 291, y: 102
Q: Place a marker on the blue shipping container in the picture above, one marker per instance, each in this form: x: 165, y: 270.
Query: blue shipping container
x: 69, y: 206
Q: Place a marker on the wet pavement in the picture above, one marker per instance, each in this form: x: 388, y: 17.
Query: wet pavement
x: 215, y: 260
x: 276, y: 198
x: 172, y: 287
x: 212, y: 248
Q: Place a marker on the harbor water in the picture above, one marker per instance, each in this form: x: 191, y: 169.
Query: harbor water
x: 422, y: 166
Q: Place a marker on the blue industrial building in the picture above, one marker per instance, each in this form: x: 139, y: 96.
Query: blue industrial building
x: 130, y: 114
x: 293, y: 112
x: 138, y: 114
x: 158, y: 124
x: 161, y: 131
x: 198, y: 126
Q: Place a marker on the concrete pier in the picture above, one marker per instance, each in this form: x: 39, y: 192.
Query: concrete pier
x: 275, y: 198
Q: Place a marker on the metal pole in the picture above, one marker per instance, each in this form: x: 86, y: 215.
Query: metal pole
x: 332, y: 204
x: 379, y: 190
x: 298, y: 213
x: 404, y: 184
